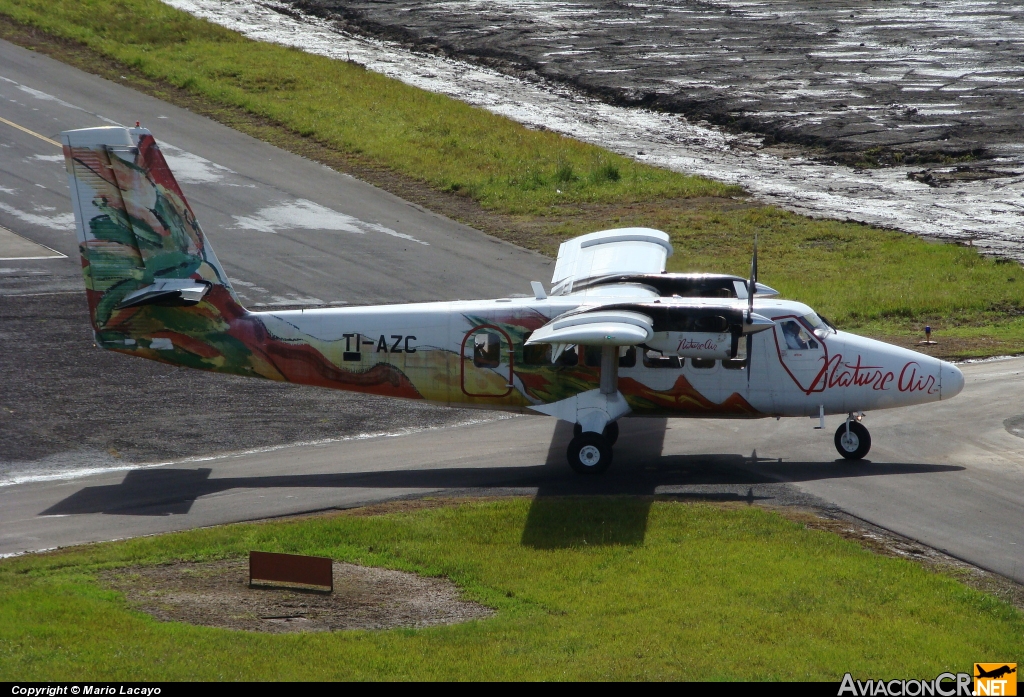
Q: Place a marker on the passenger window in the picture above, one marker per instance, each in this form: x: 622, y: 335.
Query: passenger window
x: 797, y: 337
x: 486, y: 350
x: 734, y: 363
x: 715, y: 323
x: 536, y: 354
x: 569, y: 357
x: 654, y: 359
x: 592, y: 356
x: 702, y: 363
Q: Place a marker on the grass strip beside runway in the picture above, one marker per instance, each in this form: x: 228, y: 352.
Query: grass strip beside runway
x: 530, y: 187
x: 600, y: 588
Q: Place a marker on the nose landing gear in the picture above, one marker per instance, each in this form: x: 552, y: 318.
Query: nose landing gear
x: 852, y: 439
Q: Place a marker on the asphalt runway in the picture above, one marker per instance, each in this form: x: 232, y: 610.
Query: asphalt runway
x: 949, y: 475
x: 290, y: 232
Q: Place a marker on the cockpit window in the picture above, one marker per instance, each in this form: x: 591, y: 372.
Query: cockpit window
x: 820, y: 327
x: 797, y: 337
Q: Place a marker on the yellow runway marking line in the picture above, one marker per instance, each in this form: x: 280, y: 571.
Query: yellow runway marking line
x: 31, y: 133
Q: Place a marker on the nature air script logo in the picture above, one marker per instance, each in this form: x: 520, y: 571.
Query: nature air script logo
x: 839, y: 373
x: 995, y: 679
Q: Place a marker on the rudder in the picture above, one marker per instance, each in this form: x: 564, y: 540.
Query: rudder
x: 139, y: 239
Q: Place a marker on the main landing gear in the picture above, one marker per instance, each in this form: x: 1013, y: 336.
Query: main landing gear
x: 852, y: 439
x: 611, y: 432
x: 590, y: 452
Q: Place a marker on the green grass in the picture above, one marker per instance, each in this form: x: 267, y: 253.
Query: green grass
x: 877, y: 282
x: 584, y: 588
x: 446, y: 143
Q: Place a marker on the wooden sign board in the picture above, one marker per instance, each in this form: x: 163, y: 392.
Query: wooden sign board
x: 293, y: 570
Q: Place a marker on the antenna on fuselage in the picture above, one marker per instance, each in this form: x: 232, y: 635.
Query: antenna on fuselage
x: 751, y: 290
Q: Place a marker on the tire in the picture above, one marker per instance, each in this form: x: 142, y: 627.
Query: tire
x: 589, y: 453
x: 857, y: 445
x: 611, y: 431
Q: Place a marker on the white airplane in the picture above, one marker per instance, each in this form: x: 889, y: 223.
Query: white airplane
x: 615, y: 336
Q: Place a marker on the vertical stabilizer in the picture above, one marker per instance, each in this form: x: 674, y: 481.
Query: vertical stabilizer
x: 140, y: 241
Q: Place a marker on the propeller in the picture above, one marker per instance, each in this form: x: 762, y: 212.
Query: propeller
x: 751, y: 290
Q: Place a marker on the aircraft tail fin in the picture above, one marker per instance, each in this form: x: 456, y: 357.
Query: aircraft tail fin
x: 140, y: 242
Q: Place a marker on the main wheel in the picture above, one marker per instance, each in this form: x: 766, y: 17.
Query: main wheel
x: 589, y: 453
x: 611, y: 431
x: 855, y: 444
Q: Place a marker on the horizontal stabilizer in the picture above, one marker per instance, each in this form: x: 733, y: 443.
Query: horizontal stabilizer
x: 618, y: 328
x: 182, y: 291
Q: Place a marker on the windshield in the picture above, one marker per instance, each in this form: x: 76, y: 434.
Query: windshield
x: 819, y: 326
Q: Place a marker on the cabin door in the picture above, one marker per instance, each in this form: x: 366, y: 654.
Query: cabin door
x: 486, y: 362
x: 802, y: 354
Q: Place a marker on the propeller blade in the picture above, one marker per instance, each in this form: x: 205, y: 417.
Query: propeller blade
x: 751, y: 291
x: 752, y: 284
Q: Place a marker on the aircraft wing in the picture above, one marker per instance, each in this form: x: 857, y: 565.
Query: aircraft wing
x: 597, y: 328
x: 634, y: 250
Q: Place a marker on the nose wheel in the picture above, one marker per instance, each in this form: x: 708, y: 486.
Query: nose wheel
x: 589, y: 453
x: 853, y: 440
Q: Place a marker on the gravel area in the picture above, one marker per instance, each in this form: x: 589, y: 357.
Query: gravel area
x: 217, y: 594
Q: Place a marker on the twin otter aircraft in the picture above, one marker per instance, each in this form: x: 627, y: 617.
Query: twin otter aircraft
x: 615, y: 336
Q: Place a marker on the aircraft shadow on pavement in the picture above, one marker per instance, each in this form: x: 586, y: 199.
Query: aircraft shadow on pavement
x: 639, y: 470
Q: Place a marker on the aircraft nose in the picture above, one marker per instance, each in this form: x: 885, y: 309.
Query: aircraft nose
x: 951, y: 380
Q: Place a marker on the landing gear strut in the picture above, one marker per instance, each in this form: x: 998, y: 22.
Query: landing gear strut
x: 590, y: 452
x: 852, y: 439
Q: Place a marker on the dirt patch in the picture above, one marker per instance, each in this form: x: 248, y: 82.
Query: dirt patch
x: 954, y: 348
x: 217, y: 594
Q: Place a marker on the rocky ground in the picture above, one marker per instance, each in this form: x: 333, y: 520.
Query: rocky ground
x: 868, y: 82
